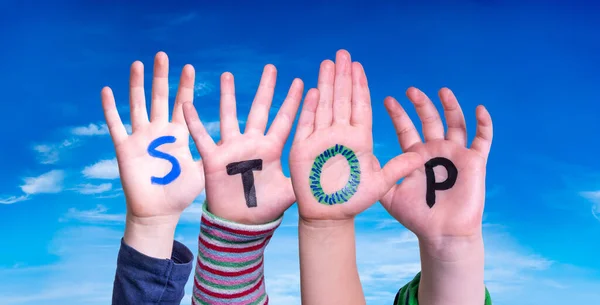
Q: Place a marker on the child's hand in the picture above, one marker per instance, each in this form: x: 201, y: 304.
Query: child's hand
x: 244, y: 179
x: 449, y: 208
x: 334, y: 172
x: 159, y: 177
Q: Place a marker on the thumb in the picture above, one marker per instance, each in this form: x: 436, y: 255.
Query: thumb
x: 398, y: 168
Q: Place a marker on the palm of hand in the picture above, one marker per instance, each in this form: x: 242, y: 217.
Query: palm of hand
x: 456, y: 211
x: 136, y: 168
x: 266, y: 193
x: 336, y: 172
x: 339, y: 113
x: 273, y: 190
x: 161, y: 180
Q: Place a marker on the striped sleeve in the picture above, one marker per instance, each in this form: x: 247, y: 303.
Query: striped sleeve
x: 229, y: 269
x: 408, y: 295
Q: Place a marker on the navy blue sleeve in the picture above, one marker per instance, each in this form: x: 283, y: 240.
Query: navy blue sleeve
x: 144, y: 280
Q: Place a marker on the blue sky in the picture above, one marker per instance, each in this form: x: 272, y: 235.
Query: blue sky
x: 533, y: 64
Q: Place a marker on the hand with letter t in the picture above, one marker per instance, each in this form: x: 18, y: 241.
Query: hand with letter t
x: 442, y: 202
x: 244, y: 178
x: 335, y: 177
x: 246, y: 193
x: 159, y: 176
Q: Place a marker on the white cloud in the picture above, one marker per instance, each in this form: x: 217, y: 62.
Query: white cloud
x: 50, y: 182
x: 387, y: 259
x: 101, y: 215
x: 50, y: 153
x: 213, y: 128
x: 88, y: 188
x: 103, y: 169
x: 90, y: 130
x: 203, y: 88
x: 95, y: 130
x: 98, y: 215
x: 594, y: 197
x: 47, y: 183
x: 114, y: 194
x: 74, y: 248
x: 83, y: 292
x: 13, y: 199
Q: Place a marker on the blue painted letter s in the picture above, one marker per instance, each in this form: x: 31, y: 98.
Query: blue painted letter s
x: 175, y: 170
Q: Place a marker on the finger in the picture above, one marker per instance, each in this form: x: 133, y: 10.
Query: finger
x: 398, y: 168
x: 282, y: 124
x: 185, y: 93
x: 113, y: 120
x: 361, y: 98
x: 259, y: 112
x: 485, y: 131
x: 159, y: 111
x: 306, y: 122
x: 229, y: 122
x: 342, y: 90
x: 324, y: 113
x: 405, y: 129
x: 433, y: 128
x: 137, y: 97
x: 203, y: 140
x: 455, y: 119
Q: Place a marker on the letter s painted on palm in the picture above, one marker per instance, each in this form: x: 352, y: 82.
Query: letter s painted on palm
x: 175, y: 170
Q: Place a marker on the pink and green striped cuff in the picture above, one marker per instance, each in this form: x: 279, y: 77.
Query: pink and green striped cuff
x: 229, y: 269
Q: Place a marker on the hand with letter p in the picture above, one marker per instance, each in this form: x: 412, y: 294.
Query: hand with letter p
x: 442, y: 202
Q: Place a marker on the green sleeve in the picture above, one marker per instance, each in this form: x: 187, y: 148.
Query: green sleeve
x: 408, y: 294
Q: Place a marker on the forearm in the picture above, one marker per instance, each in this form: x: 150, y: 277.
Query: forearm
x: 328, y: 271
x: 230, y: 266
x: 152, y: 237
x: 452, y: 272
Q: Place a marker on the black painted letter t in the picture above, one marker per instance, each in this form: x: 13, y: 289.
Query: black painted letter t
x: 245, y: 168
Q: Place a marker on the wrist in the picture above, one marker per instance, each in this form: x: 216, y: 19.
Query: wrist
x: 329, y: 232
x: 452, y: 270
x: 451, y: 249
x: 151, y: 236
x: 328, y: 255
x: 326, y: 224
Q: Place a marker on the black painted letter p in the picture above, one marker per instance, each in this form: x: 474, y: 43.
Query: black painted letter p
x: 433, y: 186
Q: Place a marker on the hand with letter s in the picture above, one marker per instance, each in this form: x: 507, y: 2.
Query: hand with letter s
x: 159, y: 176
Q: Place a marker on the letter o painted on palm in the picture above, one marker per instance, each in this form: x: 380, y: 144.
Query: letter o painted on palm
x: 348, y: 190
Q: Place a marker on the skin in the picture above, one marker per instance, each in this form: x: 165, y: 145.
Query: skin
x: 450, y: 238
x: 450, y: 233
x: 154, y: 210
x: 338, y: 112
x: 225, y: 193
